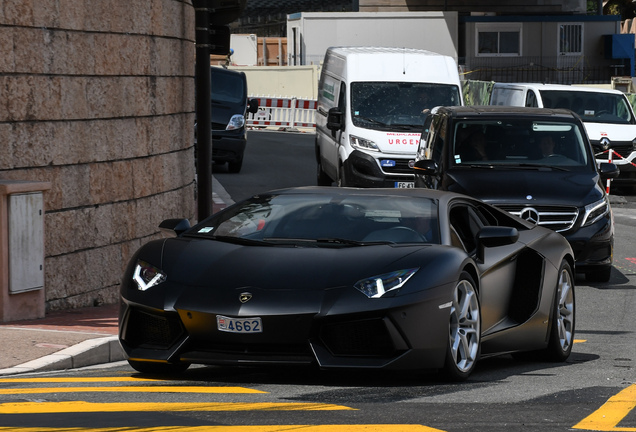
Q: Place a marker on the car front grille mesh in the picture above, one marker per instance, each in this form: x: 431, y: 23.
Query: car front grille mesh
x: 152, y: 330
x: 556, y: 218
x: 358, y: 338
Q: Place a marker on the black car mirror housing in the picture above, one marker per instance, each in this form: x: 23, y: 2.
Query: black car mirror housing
x: 425, y: 166
x: 494, y: 236
x: 334, y: 119
x: 177, y: 226
x: 608, y: 170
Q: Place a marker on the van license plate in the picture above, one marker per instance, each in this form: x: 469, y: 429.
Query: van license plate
x: 404, y: 185
x: 239, y: 325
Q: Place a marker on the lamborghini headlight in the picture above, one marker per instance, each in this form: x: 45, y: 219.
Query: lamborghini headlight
x: 147, y: 276
x: 595, y: 211
x: 236, y: 122
x: 377, y: 286
x: 362, y: 144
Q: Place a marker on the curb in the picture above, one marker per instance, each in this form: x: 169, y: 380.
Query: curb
x: 87, y: 353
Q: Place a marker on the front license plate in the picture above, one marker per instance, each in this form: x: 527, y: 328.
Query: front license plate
x: 239, y: 325
x: 404, y: 185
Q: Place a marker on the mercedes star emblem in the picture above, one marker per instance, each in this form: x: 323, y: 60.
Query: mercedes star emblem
x: 530, y: 214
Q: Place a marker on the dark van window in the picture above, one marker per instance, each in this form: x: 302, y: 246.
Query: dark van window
x: 227, y: 87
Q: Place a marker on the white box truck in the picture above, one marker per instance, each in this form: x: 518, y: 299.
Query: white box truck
x: 371, y: 107
x: 606, y: 113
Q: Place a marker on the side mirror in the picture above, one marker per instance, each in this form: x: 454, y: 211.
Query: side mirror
x: 334, y: 119
x: 493, y: 236
x: 252, y: 106
x: 608, y: 170
x: 425, y: 167
x: 177, y: 226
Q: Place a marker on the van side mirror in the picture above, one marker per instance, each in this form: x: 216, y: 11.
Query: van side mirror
x: 252, y: 106
x: 334, y: 119
x: 608, y: 170
x: 425, y: 167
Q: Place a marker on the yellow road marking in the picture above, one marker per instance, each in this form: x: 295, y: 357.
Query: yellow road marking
x: 88, y: 407
x: 129, y: 389
x: 263, y: 428
x: 71, y: 380
x: 611, y: 413
x: 580, y: 340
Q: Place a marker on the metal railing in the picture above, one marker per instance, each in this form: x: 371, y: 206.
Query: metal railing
x: 555, y: 70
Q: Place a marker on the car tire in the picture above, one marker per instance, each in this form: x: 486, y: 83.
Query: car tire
x: 464, y: 330
x: 563, y: 317
x: 342, y: 177
x: 322, y: 179
x: 154, y: 368
x: 603, y: 274
x: 236, y: 165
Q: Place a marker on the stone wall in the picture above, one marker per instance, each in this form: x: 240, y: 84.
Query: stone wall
x: 97, y: 97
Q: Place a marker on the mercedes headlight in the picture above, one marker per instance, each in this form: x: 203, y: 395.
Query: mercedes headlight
x: 147, y: 276
x: 236, y: 122
x: 595, y: 211
x: 362, y: 144
x: 377, y: 286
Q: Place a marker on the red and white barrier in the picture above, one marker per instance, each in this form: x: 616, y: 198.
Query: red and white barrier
x: 283, y: 113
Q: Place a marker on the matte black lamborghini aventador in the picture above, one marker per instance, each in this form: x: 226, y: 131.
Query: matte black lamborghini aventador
x: 349, y: 278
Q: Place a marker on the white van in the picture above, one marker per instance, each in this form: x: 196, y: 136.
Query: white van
x: 607, y: 115
x: 371, y: 107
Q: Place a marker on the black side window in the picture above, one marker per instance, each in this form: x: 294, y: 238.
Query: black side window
x: 342, y: 97
x: 437, y: 138
x: 531, y: 99
x: 464, y: 225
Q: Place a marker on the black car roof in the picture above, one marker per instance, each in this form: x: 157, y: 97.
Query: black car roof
x: 508, y: 111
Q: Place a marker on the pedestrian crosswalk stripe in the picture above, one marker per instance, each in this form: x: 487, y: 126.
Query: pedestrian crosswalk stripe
x: 131, y: 389
x: 88, y: 407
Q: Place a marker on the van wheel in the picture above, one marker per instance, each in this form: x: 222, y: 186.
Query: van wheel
x: 342, y: 178
x: 601, y: 275
x: 322, y: 179
x: 235, y: 166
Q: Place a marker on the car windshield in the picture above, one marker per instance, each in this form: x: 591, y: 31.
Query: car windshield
x: 325, y: 220
x: 391, y: 105
x: 520, y: 142
x: 227, y: 87
x: 592, y: 107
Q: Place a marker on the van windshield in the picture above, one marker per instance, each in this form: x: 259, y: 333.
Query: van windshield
x: 227, y: 87
x: 520, y: 142
x: 397, y: 105
x: 591, y: 106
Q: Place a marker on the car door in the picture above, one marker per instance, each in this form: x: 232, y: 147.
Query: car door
x: 332, y: 95
x: 497, y: 269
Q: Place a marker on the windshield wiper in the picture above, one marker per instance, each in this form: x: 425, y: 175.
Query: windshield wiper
x: 370, y: 120
x: 539, y: 166
x: 240, y: 240
x: 348, y: 242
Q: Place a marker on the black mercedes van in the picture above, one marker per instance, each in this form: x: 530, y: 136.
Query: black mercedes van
x: 536, y: 163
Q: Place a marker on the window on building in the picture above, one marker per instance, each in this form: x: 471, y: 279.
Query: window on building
x: 571, y: 39
x: 498, y: 39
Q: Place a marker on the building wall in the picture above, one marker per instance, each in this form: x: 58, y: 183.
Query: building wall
x: 317, y: 31
x: 97, y: 97
x: 507, y: 7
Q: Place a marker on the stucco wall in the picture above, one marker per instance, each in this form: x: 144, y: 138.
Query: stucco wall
x: 97, y: 97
